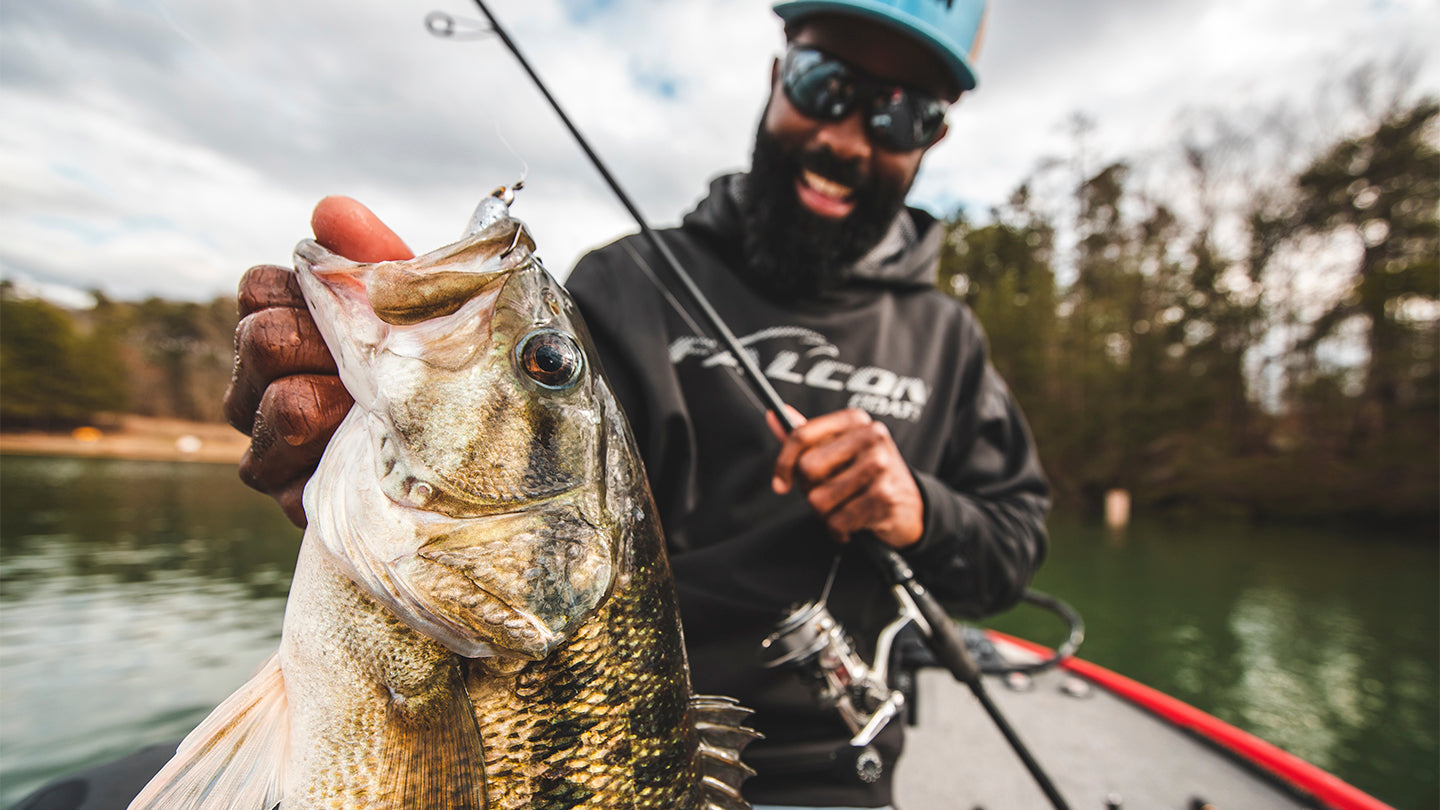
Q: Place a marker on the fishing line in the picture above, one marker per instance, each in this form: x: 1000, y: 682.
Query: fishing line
x: 524, y: 165
x: 830, y: 580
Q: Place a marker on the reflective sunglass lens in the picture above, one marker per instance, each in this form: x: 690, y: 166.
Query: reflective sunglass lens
x: 822, y: 87
x: 818, y: 86
x: 903, y: 122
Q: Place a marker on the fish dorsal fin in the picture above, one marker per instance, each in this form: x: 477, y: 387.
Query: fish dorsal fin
x: 235, y: 759
x: 718, y: 723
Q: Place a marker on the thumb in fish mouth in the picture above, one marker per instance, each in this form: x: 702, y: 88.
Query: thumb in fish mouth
x: 347, y: 228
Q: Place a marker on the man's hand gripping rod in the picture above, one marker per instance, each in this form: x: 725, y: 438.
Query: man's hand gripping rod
x: 944, y: 638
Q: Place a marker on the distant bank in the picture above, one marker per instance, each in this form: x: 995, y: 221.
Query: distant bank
x: 135, y: 437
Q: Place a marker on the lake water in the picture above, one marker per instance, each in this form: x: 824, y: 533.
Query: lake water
x: 134, y: 596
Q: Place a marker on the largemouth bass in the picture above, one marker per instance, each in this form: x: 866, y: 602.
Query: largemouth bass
x: 482, y: 614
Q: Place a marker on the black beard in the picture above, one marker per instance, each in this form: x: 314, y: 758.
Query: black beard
x: 791, y: 252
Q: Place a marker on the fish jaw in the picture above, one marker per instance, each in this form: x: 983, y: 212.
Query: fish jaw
x: 467, y: 489
x: 356, y: 306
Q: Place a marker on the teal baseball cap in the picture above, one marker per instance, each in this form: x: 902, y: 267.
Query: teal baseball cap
x: 952, y: 28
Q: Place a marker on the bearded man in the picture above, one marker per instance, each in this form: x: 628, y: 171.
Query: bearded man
x: 818, y: 267
x: 814, y: 260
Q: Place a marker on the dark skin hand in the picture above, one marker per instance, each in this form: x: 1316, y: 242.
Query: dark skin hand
x: 285, y: 392
x: 852, y: 475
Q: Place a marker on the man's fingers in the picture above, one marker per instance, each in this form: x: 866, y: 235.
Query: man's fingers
x: 795, y: 455
x: 826, y: 426
x: 294, y: 422
x: 305, y: 409
x: 348, y: 228
x: 274, y: 291
x: 889, y: 505
x: 775, y: 427
x: 783, y: 477
x: 285, y: 391
x: 857, y: 514
x: 839, y: 451
x: 269, y: 344
x: 853, y: 477
x: 832, y: 491
x: 292, y: 500
x: 268, y: 285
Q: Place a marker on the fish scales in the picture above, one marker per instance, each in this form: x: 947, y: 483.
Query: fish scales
x: 630, y: 711
x: 482, y: 614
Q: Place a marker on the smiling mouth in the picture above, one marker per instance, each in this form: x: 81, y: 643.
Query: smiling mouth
x: 825, y: 196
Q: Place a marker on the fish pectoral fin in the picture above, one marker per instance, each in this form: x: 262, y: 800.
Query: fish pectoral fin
x: 718, y: 722
x: 431, y: 755
x: 235, y: 758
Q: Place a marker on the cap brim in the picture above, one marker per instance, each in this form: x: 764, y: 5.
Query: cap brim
x: 944, y: 46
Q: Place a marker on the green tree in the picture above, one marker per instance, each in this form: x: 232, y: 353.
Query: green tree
x: 99, y: 359
x: 1382, y: 191
x: 40, y: 384
x: 184, y: 353
x: 1003, y: 272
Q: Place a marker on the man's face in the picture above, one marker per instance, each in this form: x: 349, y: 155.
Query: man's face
x: 822, y: 193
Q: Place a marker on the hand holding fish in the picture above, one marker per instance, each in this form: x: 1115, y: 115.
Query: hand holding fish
x: 482, y: 615
x: 285, y: 392
x: 852, y: 475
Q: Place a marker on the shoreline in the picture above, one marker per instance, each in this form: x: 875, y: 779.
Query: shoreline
x: 135, y: 438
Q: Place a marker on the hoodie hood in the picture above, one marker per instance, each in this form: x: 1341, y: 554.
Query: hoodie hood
x: 908, y: 256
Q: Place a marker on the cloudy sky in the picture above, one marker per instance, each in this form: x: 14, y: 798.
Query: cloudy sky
x: 160, y: 147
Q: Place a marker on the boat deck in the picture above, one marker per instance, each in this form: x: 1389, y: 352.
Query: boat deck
x: 1095, y: 746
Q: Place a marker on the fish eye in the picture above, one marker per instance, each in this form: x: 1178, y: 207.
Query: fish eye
x: 551, y: 359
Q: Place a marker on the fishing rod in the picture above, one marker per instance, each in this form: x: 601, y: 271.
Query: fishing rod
x: 944, y: 638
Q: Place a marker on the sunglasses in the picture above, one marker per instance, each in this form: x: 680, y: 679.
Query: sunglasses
x: 822, y: 87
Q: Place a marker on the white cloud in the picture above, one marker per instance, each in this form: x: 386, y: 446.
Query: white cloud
x: 1137, y: 69
x: 162, y: 146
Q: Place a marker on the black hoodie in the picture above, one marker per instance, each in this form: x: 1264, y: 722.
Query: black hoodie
x: 886, y: 341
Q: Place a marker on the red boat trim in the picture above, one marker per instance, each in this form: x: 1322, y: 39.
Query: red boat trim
x: 1331, y: 791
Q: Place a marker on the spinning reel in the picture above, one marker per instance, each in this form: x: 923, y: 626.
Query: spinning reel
x: 811, y: 640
